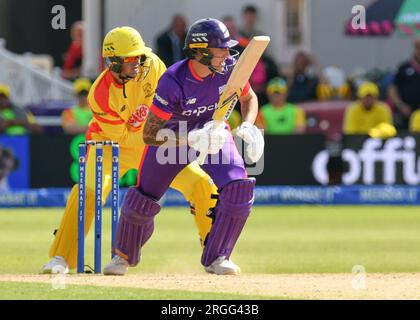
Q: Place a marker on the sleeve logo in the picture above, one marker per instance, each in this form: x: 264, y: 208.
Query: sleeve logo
x: 161, y: 100
x: 138, y: 116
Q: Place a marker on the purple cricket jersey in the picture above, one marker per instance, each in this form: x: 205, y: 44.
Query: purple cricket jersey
x: 182, y: 95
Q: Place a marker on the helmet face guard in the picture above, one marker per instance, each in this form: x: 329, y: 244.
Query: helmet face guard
x: 210, y: 33
x: 115, y: 64
x: 206, y: 58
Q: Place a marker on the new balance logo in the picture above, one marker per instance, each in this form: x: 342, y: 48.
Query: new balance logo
x: 191, y: 101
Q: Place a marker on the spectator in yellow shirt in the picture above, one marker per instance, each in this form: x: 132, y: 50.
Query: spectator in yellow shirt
x: 367, y: 112
x: 75, y: 120
x: 414, y: 125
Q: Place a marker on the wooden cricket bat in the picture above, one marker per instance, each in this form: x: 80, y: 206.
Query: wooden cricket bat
x: 237, y: 81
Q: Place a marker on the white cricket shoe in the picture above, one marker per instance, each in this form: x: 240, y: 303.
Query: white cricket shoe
x: 223, y: 266
x: 117, y: 267
x: 57, y: 264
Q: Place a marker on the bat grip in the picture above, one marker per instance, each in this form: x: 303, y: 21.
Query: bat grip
x: 201, y: 158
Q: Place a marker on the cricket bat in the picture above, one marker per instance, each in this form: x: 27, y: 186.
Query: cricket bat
x: 236, y: 82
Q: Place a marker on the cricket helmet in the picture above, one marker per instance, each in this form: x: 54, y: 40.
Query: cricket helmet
x: 124, y: 42
x: 209, y: 33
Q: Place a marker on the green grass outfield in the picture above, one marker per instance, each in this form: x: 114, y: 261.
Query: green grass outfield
x: 298, y: 239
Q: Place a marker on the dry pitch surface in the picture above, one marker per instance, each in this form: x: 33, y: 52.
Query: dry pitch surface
x: 300, y: 286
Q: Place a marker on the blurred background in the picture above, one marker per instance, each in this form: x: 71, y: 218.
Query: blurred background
x: 339, y: 92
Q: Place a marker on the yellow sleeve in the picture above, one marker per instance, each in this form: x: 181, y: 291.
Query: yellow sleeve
x: 121, y: 134
x: 414, y: 125
x: 161, y: 67
x: 300, y: 117
x: 114, y: 126
x: 350, y: 120
x: 112, y: 119
x: 386, y: 114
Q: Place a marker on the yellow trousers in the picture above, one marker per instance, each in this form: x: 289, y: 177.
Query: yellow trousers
x: 192, y: 182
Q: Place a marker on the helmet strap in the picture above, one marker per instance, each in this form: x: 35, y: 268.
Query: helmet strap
x: 206, y: 59
x: 115, y: 65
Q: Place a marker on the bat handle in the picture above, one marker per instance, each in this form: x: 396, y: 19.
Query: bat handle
x: 201, y: 158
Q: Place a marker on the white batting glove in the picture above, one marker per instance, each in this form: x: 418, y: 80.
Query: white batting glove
x: 208, y: 139
x: 254, y: 138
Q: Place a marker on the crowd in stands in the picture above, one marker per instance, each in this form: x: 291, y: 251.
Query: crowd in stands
x: 377, y: 100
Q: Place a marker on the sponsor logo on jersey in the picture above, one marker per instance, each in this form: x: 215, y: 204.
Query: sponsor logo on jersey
x: 101, y: 114
x: 138, y: 116
x: 148, y: 90
x: 161, y: 100
x: 221, y: 89
x: 200, y: 110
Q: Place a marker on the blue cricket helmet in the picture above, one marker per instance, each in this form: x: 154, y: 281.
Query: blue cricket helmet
x: 208, y: 33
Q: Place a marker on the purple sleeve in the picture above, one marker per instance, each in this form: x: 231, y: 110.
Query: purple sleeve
x: 166, y: 97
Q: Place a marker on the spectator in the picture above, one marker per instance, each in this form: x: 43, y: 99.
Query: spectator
x: 414, y: 124
x: 74, y: 55
x: 367, y: 113
x: 169, y: 44
x: 13, y: 120
x: 278, y: 116
x: 265, y: 69
x: 334, y: 85
x: 301, y: 82
x: 249, y: 21
x: 404, y: 92
x: 75, y: 120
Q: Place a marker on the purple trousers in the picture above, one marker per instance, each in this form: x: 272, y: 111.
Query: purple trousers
x: 155, y: 176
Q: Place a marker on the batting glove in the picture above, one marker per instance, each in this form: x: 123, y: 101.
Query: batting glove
x: 208, y: 139
x: 254, y: 138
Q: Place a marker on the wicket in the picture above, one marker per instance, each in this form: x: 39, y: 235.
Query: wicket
x: 98, y: 200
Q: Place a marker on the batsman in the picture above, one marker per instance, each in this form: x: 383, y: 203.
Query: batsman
x: 120, y: 99
x: 187, y: 96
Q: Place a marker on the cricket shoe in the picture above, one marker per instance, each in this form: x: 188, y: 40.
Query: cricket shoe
x: 117, y: 267
x: 223, y: 266
x: 57, y: 264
